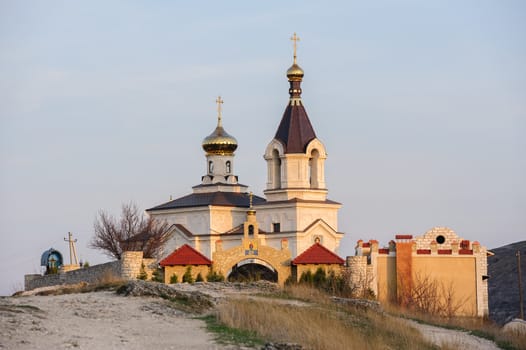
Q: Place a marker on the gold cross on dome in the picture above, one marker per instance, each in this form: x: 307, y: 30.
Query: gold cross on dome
x: 219, y: 102
x: 295, y: 38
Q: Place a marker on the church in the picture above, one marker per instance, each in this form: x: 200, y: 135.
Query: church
x: 221, y: 226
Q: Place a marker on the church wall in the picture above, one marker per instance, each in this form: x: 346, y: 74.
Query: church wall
x: 294, y: 218
x: 306, y: 215
x: 230, y: 242
x: 285, y: 216
x: 304, y: 241
x: 223, y: 219
x: 176, y: 240
x: 196, y: 220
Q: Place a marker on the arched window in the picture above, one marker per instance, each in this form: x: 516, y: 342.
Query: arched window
x: 228, y: 167
x: 276, y: 162
x: 313, y: 169
x: 251, y: 230
x: 210, y: 167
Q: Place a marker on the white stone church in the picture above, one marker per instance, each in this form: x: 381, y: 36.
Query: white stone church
x: 295, y: 213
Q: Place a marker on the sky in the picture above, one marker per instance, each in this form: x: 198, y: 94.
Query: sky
x: 421, y: 106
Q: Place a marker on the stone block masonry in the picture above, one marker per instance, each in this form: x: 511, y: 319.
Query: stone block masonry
x: 127, y: 268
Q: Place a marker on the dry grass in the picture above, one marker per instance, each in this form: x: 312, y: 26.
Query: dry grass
x: 306, y: 293
x: 321, y: 325
x: 475, y: 325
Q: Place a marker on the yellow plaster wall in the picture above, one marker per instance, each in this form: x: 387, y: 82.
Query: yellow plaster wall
x: 313, y: 267
x: 386, y: 277
x: 180, y: 270
x: 453, y: 273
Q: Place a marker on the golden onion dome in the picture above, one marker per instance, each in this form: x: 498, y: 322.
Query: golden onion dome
x: 219, y: 142
x: 295, y: 73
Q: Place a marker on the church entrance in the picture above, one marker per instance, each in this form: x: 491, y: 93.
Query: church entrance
x: 250, y: 270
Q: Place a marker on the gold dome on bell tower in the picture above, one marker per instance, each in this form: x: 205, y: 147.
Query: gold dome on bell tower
x: 219, y: 141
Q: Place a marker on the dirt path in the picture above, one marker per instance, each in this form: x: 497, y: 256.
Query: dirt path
x: 452, y: 338
x: 101, y: 320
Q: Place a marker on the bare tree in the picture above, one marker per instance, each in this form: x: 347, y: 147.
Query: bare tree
x: 134, y: 231
x: 434, y: 297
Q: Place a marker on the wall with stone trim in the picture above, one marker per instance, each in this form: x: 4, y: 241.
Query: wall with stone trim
x: 440, y: 255
x: 92, y: 274
x: 127, y: 268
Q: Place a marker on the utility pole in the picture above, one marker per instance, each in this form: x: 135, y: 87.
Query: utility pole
x: 72, y: 249
x: 521, y: 305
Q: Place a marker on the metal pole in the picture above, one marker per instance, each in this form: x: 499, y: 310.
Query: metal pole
x: 521, y: 305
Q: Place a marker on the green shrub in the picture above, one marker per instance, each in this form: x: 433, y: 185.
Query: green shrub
x: 142, y: 273
x: 199, y: 278
x: 173, y: 278
x: 319, y: 278
x: 214, y: 276
x: 158, y: 275
x: 306, y: 277
x: 187, y: 277
x: 332, y: 283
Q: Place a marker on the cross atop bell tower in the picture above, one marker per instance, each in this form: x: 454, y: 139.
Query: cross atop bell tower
x: 295, y: 39
x: 219, y: 102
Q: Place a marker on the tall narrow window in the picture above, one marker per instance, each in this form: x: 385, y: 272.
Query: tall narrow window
x: 210, y: 167
x: 251, y: 230
x: 313, y: 169
x: 276, y: 162
x: 228, y: 167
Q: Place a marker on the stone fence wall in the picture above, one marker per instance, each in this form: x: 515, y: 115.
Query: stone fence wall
x: 127, y: 268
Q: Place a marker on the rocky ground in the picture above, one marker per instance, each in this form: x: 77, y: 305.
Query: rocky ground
x: 142, y: 315
x: 101, y: 320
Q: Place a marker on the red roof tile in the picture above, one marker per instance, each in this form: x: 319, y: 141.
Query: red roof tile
x: 317, y: 254
x: 185, y: 255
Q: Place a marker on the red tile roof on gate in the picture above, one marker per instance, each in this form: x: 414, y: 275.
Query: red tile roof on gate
x: 185, y: 255
x: 317, y: 254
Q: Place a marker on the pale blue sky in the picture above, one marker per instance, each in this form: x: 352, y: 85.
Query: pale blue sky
x: 421, y: 106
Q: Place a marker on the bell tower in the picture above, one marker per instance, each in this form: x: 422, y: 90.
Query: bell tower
x: 219, y: 147
x: 295, y: 157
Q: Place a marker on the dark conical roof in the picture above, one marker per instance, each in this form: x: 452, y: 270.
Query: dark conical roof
x: 295, y: 130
